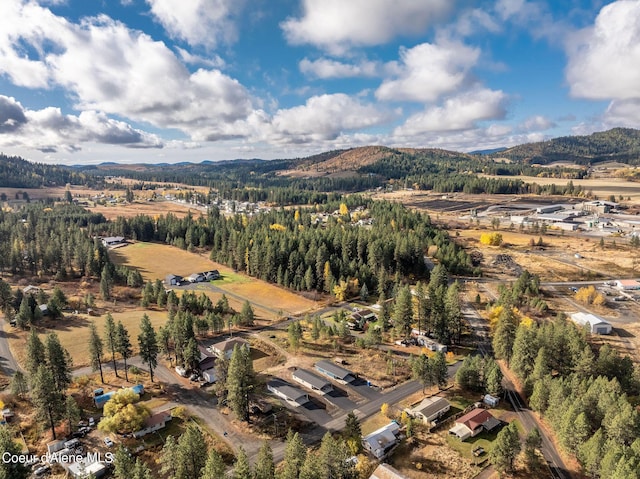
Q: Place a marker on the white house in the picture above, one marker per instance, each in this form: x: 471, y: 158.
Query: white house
x: 154, y: 423
x: 595, y: 324
x: 334, y: 371
x: 430, y: 409
x: 385, y: 471
x: 381, y: 441
x: 292, y: 395
x: 112, y: 241
x: 312, y: 381
x: 225, y: 348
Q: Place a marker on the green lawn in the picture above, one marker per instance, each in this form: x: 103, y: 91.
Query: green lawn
x: 231, y: 278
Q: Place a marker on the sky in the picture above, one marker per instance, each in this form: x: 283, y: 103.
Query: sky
x: 90, y: 81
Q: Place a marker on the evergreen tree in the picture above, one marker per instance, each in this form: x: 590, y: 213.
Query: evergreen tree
x: 25, y: 313
x: 453, y: 312
x: 240, y: 382
x: 264, y: 467
x: 148, y: 344
x: 214, y: 467
x: 8, y: 448
x: 403, y: 313
x: 191, y: 355
x: 36, y: 354
x: 111, y: 337
x: 246, y: 314
x: 493, y: 377
x: 59, y: 361
x: 123, y: 346
x: 352, y: 431
x: 421, y: 370
x: 295, y: 453
x: 190, y: 454
x: 45, y: 397
x: 532, y: 445
x: 422, y: 307
x: 105, y: 283
x: 72, y: 412
x: 241, y: 467
x: 505, y: 448
x: 440, y: 370
x: 504, y: 334
x: 141, y: 470
x: 19, y: 385
x: 294, y: 334
x: 124, y: 467
x: 96, y: 350
x: 169, y: 457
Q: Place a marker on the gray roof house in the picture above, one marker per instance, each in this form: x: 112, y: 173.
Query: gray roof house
x: 173, y: 280
x: 380, y: 442
x: 292, y: 395
x: 334, y: 371
x: 225, y: 348
x: 431, y: 409
x: 312, y: 381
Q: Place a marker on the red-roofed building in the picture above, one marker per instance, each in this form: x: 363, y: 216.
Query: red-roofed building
x: 473, y: 423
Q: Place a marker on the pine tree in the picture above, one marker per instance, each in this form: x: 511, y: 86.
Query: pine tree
x: 246, y: 314
x: 241, y: 467
x: 111, y: 336
x: 45, y: 397
x: 105, y: 283
x: 421, y: 370
x: 124, y: 467
x: 240, y: 382
x: 191, y: 459
x: 504, y: 334
x: 36, y: 354
x: 505, y: 448
x: 295, y: 453
x: 492, y: 377
x: 352, y: 431
x: 214, y: 468
x: 59, y: 362
x: 123, y: 346
x: 141, y: 470
x: 453, y: 311
x: 439, y: 368
x: 96, y: 350
x: 25, y: 313
x: 148, y: 344
x: 9, y: 448
x: 72, y: 412
x: 532, y: 445
x: 264, y: 467
x: 19, y: 385
x: 403, y: 313
x: 169, y: 457
x: 294, y: 334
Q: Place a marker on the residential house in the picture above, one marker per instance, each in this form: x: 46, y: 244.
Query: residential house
x: 85, y: 469
x: 292, y: 395
x: 195, y: 278
x: 173, y: 280
x: 154, y: 423
x: 627, y: 284
x: 430, y: 409
x: 225, y: 348
x: 595, y: 324
x: 473, y: 423
x: 381, y: 441
x: 211, y: 275
x: 31, y: 289
x: 334, y: 371
x: 385, y: 471
x: 312, y: 381
x: 112, y: 241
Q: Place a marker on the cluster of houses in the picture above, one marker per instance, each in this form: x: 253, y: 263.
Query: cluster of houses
x: 362, y: 213
x: 176, y: 280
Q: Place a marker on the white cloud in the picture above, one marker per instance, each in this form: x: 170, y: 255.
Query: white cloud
x: 49, y: 129
x: 536, y: 123
x: 192, y: 59
x: 327, y: 68
x: 623, y: 112
x: 107, y: 67
x: 460, y: 112
x: 427, y: 71
x: 604, y: 60
x: 322, y: 118
x: 337, y: 25
x: 198, y: 22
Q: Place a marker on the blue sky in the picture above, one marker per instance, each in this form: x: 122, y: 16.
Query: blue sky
x: 191, y: 80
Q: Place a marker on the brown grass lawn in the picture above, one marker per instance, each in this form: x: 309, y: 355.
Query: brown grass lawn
x: 74, y: 334
x: 151, y: 209
x: 155, y: 261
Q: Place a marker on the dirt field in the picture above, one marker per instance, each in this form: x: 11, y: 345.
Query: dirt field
x: 74, y: 333
x: 151, y: 209
x: 155, y: 261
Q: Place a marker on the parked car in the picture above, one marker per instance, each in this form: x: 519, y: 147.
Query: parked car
x: 478, y: 451
x: 42, y: 470
x: 108, y: 442
x: 92, y: 422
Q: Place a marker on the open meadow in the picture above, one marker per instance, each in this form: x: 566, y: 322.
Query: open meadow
x: 155, y: 261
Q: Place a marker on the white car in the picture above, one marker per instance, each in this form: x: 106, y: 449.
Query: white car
x: 108, y: 442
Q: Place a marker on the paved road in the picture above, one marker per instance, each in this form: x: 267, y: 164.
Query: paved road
x: 8, y: 363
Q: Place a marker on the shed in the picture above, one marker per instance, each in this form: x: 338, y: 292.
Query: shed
x: 334, y: 371
x: 209, y: 375
x: 595, y: 324
x: 312, y: 381
x: 431, y: 409
x: 490, y: 400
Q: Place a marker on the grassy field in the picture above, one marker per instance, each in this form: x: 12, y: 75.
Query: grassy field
x: 155, y: 261
x: 74, y: 333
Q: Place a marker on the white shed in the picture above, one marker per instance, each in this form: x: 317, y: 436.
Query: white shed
x: 595, y: 324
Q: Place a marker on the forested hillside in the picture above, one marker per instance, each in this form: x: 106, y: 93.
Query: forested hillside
x: 18, y: 173
x: 618, y: 144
